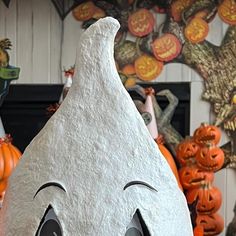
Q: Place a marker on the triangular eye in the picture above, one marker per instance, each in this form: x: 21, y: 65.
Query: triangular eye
x: 137, y: 226
x: 49, y: 225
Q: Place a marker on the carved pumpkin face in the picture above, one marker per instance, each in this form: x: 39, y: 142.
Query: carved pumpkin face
x: 209, y: 199
x: 210, y: 158
x: 166, y: 47
x: 227, y: 12
x: 186, y: 151
x: 147, y: 67
x: 212, y: 224
x: 79, y: 176
x: 207, y: 134
x: 196, y: 30
x: 192, y: 177
x: 141, y: 22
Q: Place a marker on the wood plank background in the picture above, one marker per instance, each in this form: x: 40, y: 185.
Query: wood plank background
x: 43, y: 46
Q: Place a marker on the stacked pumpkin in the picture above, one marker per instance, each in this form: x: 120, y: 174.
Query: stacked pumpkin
x: 9, y: 156
x: 199, y: 158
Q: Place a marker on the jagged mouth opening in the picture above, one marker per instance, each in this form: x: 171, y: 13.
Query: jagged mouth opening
x: 207, y: 138
x: 197, y: 180
x: 208, y: 211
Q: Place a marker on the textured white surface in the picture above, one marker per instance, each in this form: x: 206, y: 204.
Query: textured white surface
x: 94, y: 145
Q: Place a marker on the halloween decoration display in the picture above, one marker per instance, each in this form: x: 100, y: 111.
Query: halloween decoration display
x: 108, y: 181
x: 188, y: 22
x: 200, y: 158
x: 231, y: 229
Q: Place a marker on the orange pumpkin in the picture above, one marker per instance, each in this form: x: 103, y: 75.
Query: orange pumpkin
x: 165, y: 152
x: 177, y: 8
x: 166, y: 48
x: 147, y: 67
x: 141, y: 22
x: 209, y: 199
x: 84, y: 11
x: 193, y: 177
x: 196, y: 30
x: 207, y: 134
x: 227, y: 11
x: 212, y: 224
x: 186, y: 151
x: 9, y: 156
x: 210, y: 158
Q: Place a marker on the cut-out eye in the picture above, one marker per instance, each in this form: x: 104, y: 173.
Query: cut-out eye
x: 137, y: 226
x: 49, y: 225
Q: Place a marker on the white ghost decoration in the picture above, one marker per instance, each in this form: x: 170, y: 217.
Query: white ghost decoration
x: 94, y: 166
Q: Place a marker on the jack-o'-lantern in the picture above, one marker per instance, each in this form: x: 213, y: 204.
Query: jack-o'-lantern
x: 193, y: 177
x: 209, y: 199
x: 212, y: 224
x: 210, y: 158
x: 84, y: 11
x: 85, y: 174
x: 227, y: 11
x: 141, y: 22
x: 196, y: 30
x: 207, y: 134
x: 186, y: 151
x: 166, y: 48
x: 147, y: 67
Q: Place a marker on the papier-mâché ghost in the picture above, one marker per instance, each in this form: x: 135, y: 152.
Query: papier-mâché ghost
x: 94, y: 164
